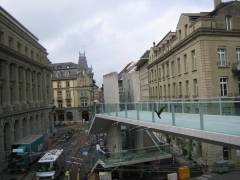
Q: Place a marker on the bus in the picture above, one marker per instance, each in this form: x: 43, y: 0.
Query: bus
x: 51, y: 165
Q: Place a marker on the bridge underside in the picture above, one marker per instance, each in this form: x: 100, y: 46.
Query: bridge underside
x: 102, y: 122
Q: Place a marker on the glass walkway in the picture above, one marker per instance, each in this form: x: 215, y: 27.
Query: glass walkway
x: 221, y: 117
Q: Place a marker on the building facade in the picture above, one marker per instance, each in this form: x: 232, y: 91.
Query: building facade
x: 111, y: 88
x: 73, y: 90
x: 201, y: 59
x: 25, y: 85
x: 142, y: 68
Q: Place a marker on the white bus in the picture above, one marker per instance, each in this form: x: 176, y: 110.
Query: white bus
x: 51, y: 165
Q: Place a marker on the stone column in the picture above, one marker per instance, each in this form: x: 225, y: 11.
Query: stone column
x: 24, y: 94
x: 30, y: 88
x: 40, y: 88
x: 44, y: 87
x: 114, y: 139
x: 16, y: 89
x: 6, y: 90
x: 36, y: 89
x: 1, y: 146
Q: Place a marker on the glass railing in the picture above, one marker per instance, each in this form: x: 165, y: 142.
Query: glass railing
x: 135, y: 155
x: 213, y: 115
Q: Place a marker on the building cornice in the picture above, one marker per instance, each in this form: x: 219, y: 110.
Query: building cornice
x: 22, y: 57
x: 191, y: 37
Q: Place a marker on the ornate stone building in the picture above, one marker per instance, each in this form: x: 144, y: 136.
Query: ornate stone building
x: 25, y: 85
x: 201, y: 59
x: 73, y: 90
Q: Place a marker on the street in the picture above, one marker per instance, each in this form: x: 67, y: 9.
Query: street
x: 72, y: 150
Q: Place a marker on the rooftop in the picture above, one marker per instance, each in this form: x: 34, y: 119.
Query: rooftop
x: 51, y: 155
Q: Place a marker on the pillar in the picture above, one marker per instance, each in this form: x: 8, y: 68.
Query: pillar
x: 114, y: 138
x: 1, y: 147
x: 44, y: 86
x: 16, y: 89
x: 30, y: 88
x: 24, y: 94
x: 6, y: 87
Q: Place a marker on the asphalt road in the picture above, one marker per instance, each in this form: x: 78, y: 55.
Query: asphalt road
x: 71, y: 148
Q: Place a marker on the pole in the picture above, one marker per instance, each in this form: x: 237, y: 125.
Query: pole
x: 78, y: 174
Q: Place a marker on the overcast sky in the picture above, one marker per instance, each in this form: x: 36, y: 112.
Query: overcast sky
x: 112, y: 32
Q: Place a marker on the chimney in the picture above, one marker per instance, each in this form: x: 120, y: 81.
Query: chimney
x: 217, y: 3
x: 154, y: 44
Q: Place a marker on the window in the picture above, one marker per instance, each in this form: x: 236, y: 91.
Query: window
x: 20, y: 94
x: 163, y: 72
x: 59, y: 93
x: 68, y: 94
x: 26, y: 50
x: 165, y: 91
x: 169, y: 90
x: 195, y: 88
x: 179, y: 66
x: 228, y: 21
x: 238, y: 55
x: 1, y: 37
x: 69, y: 103
x: 174, y: 90
x: 172, y: 68
x: 185, y: 30
x: 194, y: 62
x: 221, y: 57
x: 1, y: 69
x: 84, y: 102
x: 32, y: 54
x: 185, y: 63
x: 179, y: 34
x: 60, y: 104
x: 223, y: 86
x: 59, y: 84
x: 10, y: 42
x: 167, y: 66
x: 1, y: 95
x: 11, y: 95
x: 161, y: 91
x: 159, y: 73
x: 67, y: 84
x: 187, y: 88
x: 19, y: 47
x: 180, y: 89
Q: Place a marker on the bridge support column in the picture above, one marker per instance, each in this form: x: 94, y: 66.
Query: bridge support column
x: 114, y: 138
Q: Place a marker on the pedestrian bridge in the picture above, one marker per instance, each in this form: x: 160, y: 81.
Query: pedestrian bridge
x: 215, y: 121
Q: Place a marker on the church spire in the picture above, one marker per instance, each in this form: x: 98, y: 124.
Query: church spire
x: 82, y: 61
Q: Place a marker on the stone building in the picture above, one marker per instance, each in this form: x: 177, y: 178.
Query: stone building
x: 73, y: 90
x: 142, y: 68
x: 25, y: 85
x: 201, y: 59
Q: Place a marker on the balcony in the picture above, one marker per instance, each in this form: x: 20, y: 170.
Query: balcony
x: 236, y: 68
